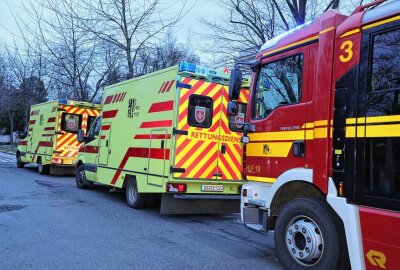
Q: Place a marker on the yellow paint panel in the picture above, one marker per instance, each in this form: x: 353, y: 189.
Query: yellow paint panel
x: 277, y: 149
x: 261, y: 179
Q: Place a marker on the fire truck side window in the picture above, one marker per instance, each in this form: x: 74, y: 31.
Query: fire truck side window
x: 278, y: 84
x: 385, y: 68
x: 383, y: 154
x: 200, y: 111
x: 71, y: 122
x: 239, y: 118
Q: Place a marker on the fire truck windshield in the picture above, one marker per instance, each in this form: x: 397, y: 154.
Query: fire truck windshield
x: 278, y: 84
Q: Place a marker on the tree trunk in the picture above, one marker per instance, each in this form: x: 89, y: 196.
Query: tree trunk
x: 11, y: 119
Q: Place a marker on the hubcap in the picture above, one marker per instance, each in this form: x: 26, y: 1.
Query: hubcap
x: 81, y: 177
x: 304, y: 240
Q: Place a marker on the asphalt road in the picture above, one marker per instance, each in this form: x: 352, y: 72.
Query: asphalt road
x: 48, y: 223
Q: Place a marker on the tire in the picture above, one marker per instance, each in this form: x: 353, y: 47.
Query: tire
x: 43, y: 169
x: 309, y: 235
x: 134, y: 199
x: 80, y: 178
x: 20, y: 164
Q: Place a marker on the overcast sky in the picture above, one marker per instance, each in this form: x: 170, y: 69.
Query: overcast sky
x: 188, y: 24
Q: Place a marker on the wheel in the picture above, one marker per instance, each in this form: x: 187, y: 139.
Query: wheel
x: 20, y: 164
x: 133, y: 197
x: 43, y: 169
x: 80, y: 178
x: 309, y: 235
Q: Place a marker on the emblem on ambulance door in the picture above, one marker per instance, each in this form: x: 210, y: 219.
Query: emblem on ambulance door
x: 132, y: 107
x: 71, y: 124
x: 200, y: 114
x: 239, y: 118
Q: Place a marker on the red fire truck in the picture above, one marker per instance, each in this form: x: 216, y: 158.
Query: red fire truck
x: 323, y: 141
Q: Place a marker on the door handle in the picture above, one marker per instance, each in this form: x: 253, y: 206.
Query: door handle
x: 106, y: 143
x: 162, y: 144
x: 223, y: 149
x: 299, y: 149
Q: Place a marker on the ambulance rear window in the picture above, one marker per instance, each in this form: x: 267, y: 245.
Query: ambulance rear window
x: 71, y: 122
x: 200, y: 111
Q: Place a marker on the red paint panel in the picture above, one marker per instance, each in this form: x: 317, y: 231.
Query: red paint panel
x: 102, y: 137
x: 123, y: 97
x: 162, y: 106
x: 379, y: 229
x: 51, y: 120
x: 49, y: 128
x: 108, y: 99
x: 45, y: 144
x: 162, y: 87
x: 30, y: 129
x: 23, y: 143
x: 106, y: 127
x: 170, y: 85
x: 110, y: 114
x: 89, y: 149
x: 32, y: 122
x: 152, y: 136
x: 115, y: 98
x: 155, y: 153
x: 156, y: 124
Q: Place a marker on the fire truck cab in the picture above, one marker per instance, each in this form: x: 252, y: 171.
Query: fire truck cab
x: 323, y: 141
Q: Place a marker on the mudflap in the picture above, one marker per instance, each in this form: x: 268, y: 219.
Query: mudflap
x: 174, y: 204
x: 62, y: 170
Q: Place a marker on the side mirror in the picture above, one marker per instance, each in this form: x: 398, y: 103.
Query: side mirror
x: 235, y: 83
x: 80, y: 136
x: 232, y: 108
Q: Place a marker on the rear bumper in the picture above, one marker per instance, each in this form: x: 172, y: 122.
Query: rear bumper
x: 173, y: 204
x: 206, y: 197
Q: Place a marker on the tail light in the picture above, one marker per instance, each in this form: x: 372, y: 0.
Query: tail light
x: 244, y: 192
x: 175, y: 187
x: 57, y: 161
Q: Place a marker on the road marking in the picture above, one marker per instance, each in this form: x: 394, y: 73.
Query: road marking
x: 7, y: 160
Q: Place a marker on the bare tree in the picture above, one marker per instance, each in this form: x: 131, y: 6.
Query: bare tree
x: 128, y: 24
x: 248, y: 24
x: 75, y: 58
x: 167, y: 53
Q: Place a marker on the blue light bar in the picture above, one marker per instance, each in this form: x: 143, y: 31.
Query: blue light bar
x: 63, y: 101
x: 184, y: 66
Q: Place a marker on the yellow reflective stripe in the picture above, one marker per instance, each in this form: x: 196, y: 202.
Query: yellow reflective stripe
x: 327, y: 30
x: 277, y: 136
x: 381, y: 22
x: 261, y: 179
x: 292, y: 45
x: 277, y: 149
x: 373, y: 119
x: 377, y: 131
x: 320, y: 133
x: 321, y: 123
x: 349, y: 33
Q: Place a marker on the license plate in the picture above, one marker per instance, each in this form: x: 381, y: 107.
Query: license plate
x: 212, y: 188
